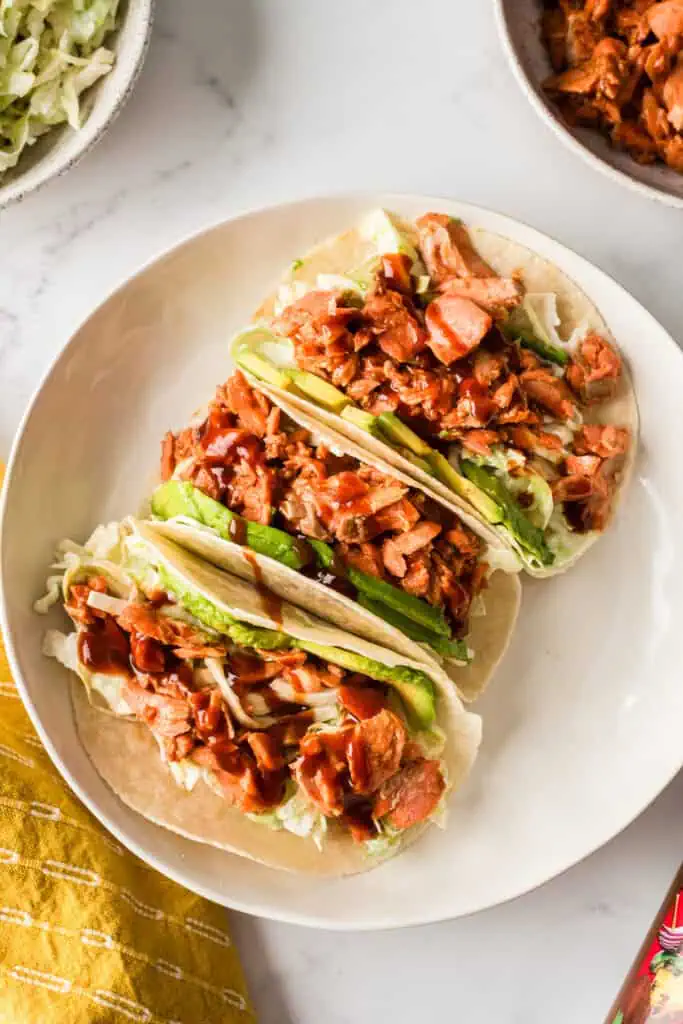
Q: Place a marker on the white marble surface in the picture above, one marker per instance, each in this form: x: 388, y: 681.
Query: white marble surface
x: 243, y: 104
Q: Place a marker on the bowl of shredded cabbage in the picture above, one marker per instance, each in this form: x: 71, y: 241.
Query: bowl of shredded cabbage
x: 66, y: 68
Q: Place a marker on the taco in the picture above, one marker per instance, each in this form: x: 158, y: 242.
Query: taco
x: 468, y: 362
x: 264, y: 490
x: 269, y: 734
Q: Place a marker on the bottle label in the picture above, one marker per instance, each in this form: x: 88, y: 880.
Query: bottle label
x: 653, y: 994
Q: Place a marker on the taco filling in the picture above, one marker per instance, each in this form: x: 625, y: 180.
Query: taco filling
x: 463, y: 373
x: 299, y: 735
x: 256, y: 477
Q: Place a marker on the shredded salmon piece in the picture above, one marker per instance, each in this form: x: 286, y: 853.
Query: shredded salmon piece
x: 166, y: 716
x: 148, y: 622
x: 494, y: 294
x: 666, y: 19
x: 550, y: 392
x: 383, y: 737
x: 77, y: 604
x: 605, y: 441
x: 411, y: 795
x: 448, y: 250
x: 537, y: 441
x: 309, y: 678
x: 479, y: 441
x: 456, y: 326
x: 395, y: 325
x: 168, y: 461
x: 395, y: 550
x: 611, y: 76
x: 488, y: 366
x: 400, y: 516
x: 672, y: 95
x: 251, y: 406
x: 361, y: 701
x: 595, y: 369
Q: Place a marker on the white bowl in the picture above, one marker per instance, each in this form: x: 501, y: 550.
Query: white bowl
x: 519, y: 23
x: 582, y: 725
x: 62, y: 147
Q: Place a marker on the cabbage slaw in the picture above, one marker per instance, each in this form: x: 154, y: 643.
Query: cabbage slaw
x: 51, y: 51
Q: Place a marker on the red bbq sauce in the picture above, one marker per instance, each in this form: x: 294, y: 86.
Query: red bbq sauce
x: 105, y: 647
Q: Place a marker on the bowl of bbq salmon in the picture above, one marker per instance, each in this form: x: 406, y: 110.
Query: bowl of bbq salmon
x: 271, y: 628
x: 607, y: 76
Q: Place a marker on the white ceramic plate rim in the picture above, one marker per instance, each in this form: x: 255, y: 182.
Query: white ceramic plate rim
x: 535, y: 240
x: 548, y: 115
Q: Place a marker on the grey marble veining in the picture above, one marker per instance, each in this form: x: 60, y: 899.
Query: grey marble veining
x: 242, y: 104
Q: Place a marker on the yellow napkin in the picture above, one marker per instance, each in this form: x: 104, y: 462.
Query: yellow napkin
x: 88, y: 933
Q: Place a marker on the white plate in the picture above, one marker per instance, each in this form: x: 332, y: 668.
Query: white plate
x: 583, y: 721
x: 519, y: 24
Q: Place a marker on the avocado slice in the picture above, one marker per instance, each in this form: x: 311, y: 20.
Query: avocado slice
x: 455, y: 650
x: 418, y: 462
x: 365, y: 420
x: 181, y: 498
x: 413, y: 608
x: 530, y: 537
x: 414, y: 686
x: 399, y: 434
x: 263, y: 368
x: 545, y: 349
x: 461, y: 486
x: 319, y: 390
x: 213, y: 617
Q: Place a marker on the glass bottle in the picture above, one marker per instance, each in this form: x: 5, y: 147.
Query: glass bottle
x: 653, y: 990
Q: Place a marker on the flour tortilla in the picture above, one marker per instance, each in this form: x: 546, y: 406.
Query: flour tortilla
x: 341, y: 254
x: 127, y: 757
x: 489, y: 633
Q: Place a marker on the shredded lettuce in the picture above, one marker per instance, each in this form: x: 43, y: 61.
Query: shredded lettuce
x: 380, y: 228
x: 99, y: 556
x: 296, y: 815
x: 186, y: 773
x: 541, y: 496
x: 50, y: 52
x: 541, y: 311
x: 385, y: 842
x: 532, y: 484
x: 51, y: 597
x: 431, y: 741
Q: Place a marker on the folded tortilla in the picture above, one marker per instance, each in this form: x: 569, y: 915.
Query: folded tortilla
x: 343, y: 260
x: 491, y: 624
x: 127, y: 754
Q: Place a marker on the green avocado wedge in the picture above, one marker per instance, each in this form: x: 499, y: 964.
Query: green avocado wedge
x: 415, y: 687
x: 430, y: 619
x: 181, y: 498
x: 455, y: 650
x: 545, y: 349
x: 530, y: 537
